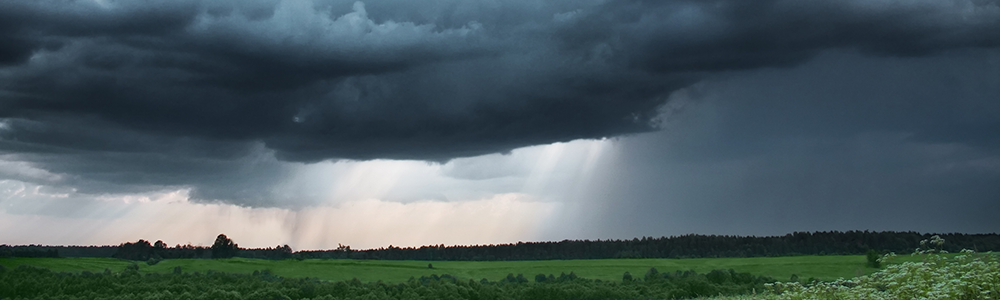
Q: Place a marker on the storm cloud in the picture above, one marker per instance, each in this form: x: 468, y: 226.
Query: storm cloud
x: 226, y: 96
x: 867, y: 144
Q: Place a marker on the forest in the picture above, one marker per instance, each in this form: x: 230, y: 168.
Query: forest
x: 684, y: 246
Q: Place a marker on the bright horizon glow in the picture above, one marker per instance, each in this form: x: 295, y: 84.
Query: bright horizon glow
x: 491, y: 199
x: 365, y: 224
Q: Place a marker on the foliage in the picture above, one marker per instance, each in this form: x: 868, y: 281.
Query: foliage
x: 811, y: 267
x: 966, y: 276
x: 685, y: 246
x: 224, y: 247
x: 873, y: 259
x: 27, y: 251
x: 27, y: 282
x: 141, y: 250
x: 154, y: 260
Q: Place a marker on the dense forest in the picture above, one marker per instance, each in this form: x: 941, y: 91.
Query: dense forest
x: 27, y: 282
x: 685, y: 246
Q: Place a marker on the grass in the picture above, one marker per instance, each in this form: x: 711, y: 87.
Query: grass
x: 780, y: 268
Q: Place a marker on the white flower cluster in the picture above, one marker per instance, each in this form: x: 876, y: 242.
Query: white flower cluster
x: 966, y: 276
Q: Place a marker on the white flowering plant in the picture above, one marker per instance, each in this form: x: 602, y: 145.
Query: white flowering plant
x: 968, y: 275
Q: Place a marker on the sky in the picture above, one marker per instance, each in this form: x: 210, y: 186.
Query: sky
x: 372, y: 123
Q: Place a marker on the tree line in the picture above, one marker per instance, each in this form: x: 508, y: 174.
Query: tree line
x: 223, y: 247
x: 684, y: 246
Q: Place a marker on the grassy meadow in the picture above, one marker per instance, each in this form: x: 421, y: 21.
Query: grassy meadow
x: 780, y: 268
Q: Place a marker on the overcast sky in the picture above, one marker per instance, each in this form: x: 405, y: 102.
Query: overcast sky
x: 315, y: 122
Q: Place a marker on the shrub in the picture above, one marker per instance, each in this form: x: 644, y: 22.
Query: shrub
x: 966, y: 276
x: 651, y: 275
x: 873, y: 258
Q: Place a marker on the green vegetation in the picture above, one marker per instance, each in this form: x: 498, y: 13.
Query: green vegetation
x: 685, y: 246
x: 873, y: 259
x: 26, y: 282
x: 782, y: 268
x: 72, y: 265
x: 967, y: 275
x: 930, y: 273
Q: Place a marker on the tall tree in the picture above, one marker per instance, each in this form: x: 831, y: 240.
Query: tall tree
x: 224, y: 247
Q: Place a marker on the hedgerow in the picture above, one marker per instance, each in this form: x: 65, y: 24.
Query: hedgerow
x: 26, y: 282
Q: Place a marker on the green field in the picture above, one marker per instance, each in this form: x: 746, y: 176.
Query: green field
x: 780, y: 268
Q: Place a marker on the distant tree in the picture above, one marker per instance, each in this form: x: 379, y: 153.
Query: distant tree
x: 520, y: 278
x: 627, y: 277
x: 224, y: 247
x: 160, y: 245
x: 131, y: 270
x: 140, y: 250
x: 873, y: 257
x: 430, y: 266
x: 566, y: 277
x: 651, y: 275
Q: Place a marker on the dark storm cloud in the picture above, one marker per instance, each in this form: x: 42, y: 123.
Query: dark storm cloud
x: 673, y: 36
x: 159, y: 92
x: 843, y: 142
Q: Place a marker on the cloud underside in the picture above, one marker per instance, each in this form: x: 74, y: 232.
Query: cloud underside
x: 96, y: 94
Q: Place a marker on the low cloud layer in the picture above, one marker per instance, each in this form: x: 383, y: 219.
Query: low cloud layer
x: 227, y: 97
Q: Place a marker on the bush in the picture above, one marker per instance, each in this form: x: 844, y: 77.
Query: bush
x: 873, y: 258
x: 966, y: 276
x: 651, y: 275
